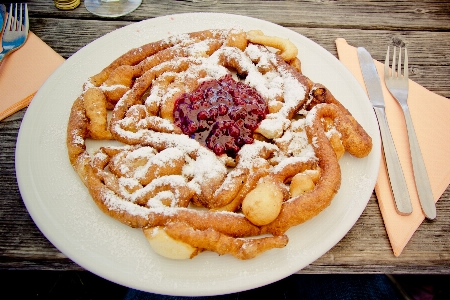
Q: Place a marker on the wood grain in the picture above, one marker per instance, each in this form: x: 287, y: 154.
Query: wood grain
x: 410, y: 15
x: 424, y: 26
x: 429, y: 52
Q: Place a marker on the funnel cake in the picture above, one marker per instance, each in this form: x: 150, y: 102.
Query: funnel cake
x: 209, y: 124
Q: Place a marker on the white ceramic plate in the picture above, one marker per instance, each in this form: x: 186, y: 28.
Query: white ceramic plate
x: 63, y: 210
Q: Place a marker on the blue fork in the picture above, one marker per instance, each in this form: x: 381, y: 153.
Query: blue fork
x: 16, y: 29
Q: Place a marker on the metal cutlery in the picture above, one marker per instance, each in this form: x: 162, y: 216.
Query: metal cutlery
x: 2, y: 20
x: 397, y: 84
x: 16, y: 29
x: 2, y: 15
x: 395, y: 172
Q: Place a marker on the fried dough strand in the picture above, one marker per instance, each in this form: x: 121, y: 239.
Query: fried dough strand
x: 161, y: 180
x: 212, y: 240
x: 302, y: 208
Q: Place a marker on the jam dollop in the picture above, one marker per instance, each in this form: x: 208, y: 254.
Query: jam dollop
x: 221, y: 114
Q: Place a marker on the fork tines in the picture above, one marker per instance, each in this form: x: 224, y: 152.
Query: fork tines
x: 16, y: 29
x: 17, y: 19
x: 396, y: 72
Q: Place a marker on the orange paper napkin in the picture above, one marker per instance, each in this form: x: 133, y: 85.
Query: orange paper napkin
x: 429, y: 113
x: 23, y: 72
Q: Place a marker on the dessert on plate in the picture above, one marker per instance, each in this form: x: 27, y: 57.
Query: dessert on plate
x: 220, y: 142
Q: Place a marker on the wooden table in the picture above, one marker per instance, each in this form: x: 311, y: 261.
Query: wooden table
x: 423, y: 25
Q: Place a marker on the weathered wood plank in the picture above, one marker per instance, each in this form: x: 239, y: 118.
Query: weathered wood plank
x: 428, y: 52
x: 365, y: 249
x: 393, y: 15
x: 424, y: 26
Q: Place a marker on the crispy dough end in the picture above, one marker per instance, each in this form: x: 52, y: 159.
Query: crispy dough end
x: 263, y: 204
x: 166, y: 246
x: 222, y: 244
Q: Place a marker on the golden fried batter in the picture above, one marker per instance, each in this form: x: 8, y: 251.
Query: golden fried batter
x: 184, y: 196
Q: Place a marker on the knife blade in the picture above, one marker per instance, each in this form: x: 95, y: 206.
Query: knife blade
x: 395, y: 172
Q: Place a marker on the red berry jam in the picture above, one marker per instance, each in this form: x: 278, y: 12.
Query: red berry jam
x: 221, y: 114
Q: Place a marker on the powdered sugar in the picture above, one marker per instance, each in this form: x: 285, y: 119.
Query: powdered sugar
x: 282, y: 82
x: 259, y: 69
x: 207, y: 166
x: 113, y: 87
x: 116, y: 203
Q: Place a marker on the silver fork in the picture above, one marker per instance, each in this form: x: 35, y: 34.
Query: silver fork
x: 397, y: 84
x: 16, y: 29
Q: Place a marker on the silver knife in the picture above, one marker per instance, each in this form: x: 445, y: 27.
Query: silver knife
x: 395, y: 172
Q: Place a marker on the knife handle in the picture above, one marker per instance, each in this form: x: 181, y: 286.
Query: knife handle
x: 395, y: 172
x: 420, y: 172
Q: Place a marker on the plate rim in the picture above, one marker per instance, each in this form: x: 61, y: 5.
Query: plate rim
x: 28, y: 195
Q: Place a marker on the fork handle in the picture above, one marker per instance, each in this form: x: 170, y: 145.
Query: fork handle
x: 420, y: 172
x: 394, y: 168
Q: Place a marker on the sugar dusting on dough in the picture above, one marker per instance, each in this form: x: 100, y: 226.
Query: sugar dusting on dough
x: 201, y: 164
